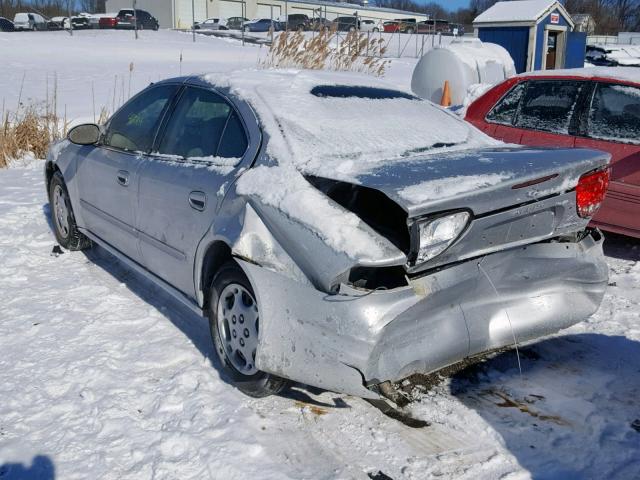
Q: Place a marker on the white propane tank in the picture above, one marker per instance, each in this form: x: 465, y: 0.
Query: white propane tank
x: 462, y: 63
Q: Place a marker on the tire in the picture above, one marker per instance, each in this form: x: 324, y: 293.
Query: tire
x: 410, y: 31
x: 235, y: 338
x: 64, y: 223
x: 376, y: 30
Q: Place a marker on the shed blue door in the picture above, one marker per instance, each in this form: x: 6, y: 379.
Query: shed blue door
x: 576, y: 47
x: 514, y: 39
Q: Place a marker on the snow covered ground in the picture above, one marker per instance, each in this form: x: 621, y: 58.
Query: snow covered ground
x: 102, y: 375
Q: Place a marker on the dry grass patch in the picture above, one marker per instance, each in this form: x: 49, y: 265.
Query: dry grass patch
x: 327, y: 51
x: 28, y: 131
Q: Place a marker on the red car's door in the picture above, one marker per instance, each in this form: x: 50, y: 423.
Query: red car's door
x: 507, y: 134
x: 614, y: 127
x: 546, y: 139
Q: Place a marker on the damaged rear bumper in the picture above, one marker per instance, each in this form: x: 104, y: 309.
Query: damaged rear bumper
x: 352, y: 340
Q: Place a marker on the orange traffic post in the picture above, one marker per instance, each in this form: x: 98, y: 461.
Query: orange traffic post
x: 446, y: 95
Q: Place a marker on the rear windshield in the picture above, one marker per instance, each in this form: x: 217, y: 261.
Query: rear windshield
x: 349, y: 91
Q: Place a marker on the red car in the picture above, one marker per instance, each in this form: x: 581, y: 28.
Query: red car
x: 108, y: 22
x: 391, y: 27
x: 596, y: 108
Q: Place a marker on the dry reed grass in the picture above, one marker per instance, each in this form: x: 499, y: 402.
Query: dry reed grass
x: 356, y: 52
x: 30, y: 129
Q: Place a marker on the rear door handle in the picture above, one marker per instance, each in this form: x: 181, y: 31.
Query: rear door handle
x: 198, y: 200
x: 123, y: 177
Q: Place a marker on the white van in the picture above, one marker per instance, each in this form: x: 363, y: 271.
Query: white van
x: 29, y: 21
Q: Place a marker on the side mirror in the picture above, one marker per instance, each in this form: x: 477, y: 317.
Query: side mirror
x: 87, y: 134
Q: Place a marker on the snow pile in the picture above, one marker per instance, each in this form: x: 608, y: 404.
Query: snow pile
x: 629, y: 74
x: 515, y: 11
x: 291, y: 194
x: 623, y: 55
x: 343, y: 137
x: 336, y: 137
x: 450, y: 187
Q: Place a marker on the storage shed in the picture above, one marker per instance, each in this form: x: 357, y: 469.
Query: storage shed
x: 539, y: 34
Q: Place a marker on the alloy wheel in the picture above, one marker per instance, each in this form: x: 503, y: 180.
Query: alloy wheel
x: 60, y: 211
x: 237, y: 318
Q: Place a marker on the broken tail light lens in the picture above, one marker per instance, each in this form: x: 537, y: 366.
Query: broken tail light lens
x: 435, y: 235
x: 590, y: 192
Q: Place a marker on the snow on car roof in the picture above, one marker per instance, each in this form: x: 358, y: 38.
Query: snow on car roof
x: 628, y: 74
x: 515, y: 11
x: 337, y: 137
x: 342, y: 136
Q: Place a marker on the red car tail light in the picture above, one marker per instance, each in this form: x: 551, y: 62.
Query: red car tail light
x: 590, y: 192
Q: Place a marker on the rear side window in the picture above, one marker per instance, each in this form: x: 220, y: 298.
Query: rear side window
x: 549, y: 105
x: 133, y: 127
x: 505, y: 110
x: 198, y: 125
x: 615, y: 113
x: 234, y: 140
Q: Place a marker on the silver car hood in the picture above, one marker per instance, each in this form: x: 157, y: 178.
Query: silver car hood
x: 482, y: 180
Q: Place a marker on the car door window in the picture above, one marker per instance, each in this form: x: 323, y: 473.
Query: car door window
x: 203, y: 126
x: 615, y: 113
x: 505, y: 110
x: 548, y: 105
x: 133, y: 127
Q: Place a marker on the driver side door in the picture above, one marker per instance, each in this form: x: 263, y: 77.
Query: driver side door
x: 109, y: 173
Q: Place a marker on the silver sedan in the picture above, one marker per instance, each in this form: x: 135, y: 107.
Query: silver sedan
x: 334, y: 231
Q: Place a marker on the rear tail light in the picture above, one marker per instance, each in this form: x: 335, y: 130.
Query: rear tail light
x: 590, y: 192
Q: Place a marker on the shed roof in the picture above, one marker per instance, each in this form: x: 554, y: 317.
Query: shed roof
x: 518, y: 11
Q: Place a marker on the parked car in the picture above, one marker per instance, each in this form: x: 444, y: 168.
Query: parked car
x: 320, y: 23
x: 6, y: 25
x: 406, y: 25
x: 613, y: 55
x: 210, y: 24
x: 81, y: 22
x: 235, y: 23
x: 391, y: 26
x: 58, y: 23
x: 140, y: 19
x: 431, y: 27
x: 339, y: 249
x: 261, y: 25
x: 368, y: 25
x: 595, y: 108
x: 296, y: 21
x: 29, y: 21
x: 108, y: 21
x: 346, y: 24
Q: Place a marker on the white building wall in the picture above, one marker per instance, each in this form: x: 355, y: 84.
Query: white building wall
x: 161, y: 9
x: 178, y: 13
x: 185, y: 15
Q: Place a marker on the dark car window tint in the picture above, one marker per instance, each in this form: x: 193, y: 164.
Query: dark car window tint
x: 615, y: 113
x: 505, y: 110
x: 548, y: 105
x: 349, y: 91
x: 196, y: 126
x: 234, y: 140
x: 134, y: 125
